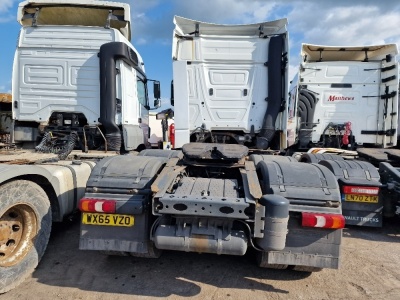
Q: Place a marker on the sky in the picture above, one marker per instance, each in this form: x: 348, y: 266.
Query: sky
x: 322, y: 22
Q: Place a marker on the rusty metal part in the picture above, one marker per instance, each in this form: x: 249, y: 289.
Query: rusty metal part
x: 85, y: 140
x: 166, y: 177
x: 18, y: 228
x: 252, y: 180
x: 24, y: 156
x: 5, y: 98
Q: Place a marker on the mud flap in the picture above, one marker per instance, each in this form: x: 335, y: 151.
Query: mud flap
x: 312, y: 247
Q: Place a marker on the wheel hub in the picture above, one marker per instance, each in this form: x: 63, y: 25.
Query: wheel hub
x: 18, y: 227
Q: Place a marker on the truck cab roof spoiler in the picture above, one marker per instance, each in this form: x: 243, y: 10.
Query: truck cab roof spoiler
x: 76, y: 12
x: 347, y: 53
x: 185, y: 27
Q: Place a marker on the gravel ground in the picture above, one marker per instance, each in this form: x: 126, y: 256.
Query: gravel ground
x: 370, y: 269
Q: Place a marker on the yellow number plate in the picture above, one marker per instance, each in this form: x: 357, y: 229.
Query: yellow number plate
x: 361, y: 198
x: 107, y: 219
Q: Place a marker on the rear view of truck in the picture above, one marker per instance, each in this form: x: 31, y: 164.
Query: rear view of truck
x: 347, y: 97
x: 214, y: 195
x: 230, y: 83
x: 214, y: 198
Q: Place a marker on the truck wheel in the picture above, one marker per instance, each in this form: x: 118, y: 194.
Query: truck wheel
x: 25, y: 225
x: 262, y: 259
x: 306, y: 269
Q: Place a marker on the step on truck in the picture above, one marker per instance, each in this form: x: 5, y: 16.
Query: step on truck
x: 347, y: 98
x: 79, y: 93
x: 220, y: 198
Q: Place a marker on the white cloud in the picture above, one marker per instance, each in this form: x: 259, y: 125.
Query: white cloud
x: 220, y: 11
x: 141, y: 5
x: 356, y: 25
x: 5, y: 14
x: 341, y: 24
x: 5, y: 5
x: 141, y: 41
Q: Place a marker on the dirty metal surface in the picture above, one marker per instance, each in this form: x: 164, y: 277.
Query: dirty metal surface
x: 27, y: 156
x: 31, y: 156
x: 393, y: 154
x: 166, y: 177
x: 204, y: 206
x: 252, y: 180
x: 373, y: 153
x: 207, y: 187
x: 380, y: 155
x: 214, y: 151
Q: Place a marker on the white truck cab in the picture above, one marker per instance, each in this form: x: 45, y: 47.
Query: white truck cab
x: 230, y: 82
x: 64, y: 48
x: 345, y: 97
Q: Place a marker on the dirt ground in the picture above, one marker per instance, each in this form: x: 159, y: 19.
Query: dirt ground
x: 370, y: 269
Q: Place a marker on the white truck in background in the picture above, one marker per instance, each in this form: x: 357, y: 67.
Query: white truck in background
x: 79, y: 91
x: 347, y: 98
x: 230, y: 83
x: 161, y: 124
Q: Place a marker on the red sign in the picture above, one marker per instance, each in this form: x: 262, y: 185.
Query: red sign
x: 332, y: 98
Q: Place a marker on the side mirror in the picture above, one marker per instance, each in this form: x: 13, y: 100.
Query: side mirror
x: 172, y: 100
x: 157, y: 103
x: 156, y: 90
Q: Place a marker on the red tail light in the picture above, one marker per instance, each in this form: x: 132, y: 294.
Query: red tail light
x: 322, y: 220
x: 97, y: 205
x: 360, y: 190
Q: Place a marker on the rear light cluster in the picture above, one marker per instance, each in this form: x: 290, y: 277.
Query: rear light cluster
x: 97, y: 205
x: 322, y: 220
x: 361, y: 190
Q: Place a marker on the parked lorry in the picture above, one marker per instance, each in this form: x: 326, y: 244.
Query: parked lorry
x: 215, y: 195
x: 347, y: 98
x: 79, y: 93
x: 222, y: 83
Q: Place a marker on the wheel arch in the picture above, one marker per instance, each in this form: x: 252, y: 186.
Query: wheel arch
x: 47, y: 187
x: 49, y: 177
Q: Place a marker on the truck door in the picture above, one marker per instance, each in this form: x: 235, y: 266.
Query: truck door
x: 134, y: 107
x: 143, y: 103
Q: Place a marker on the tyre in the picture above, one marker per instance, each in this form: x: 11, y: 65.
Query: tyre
x: 25, y: 225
